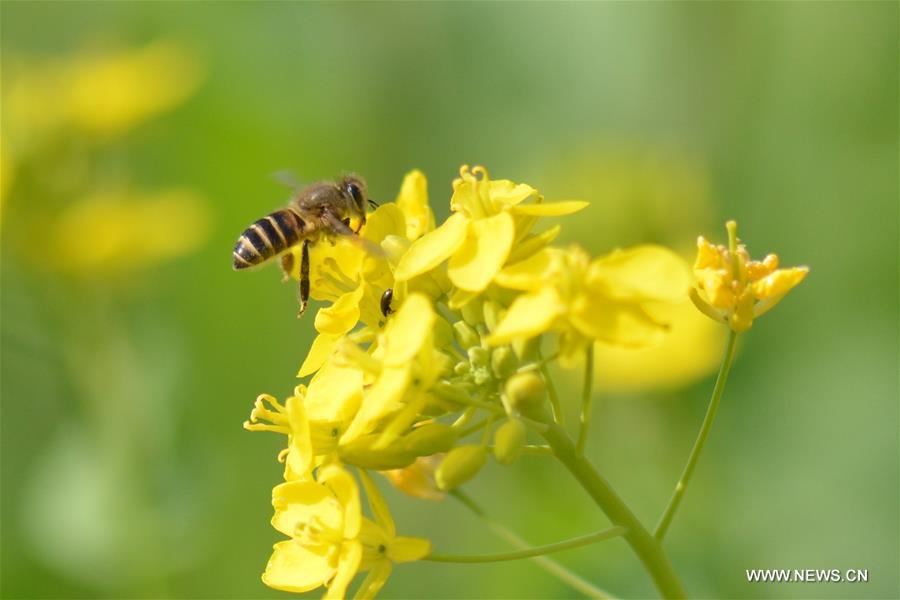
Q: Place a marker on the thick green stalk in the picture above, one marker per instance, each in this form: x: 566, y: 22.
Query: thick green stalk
x: 681, y: 486
x: 576, y: 542
x: 647, y: 548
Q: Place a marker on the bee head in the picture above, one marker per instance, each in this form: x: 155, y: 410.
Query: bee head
x: 357, y: 192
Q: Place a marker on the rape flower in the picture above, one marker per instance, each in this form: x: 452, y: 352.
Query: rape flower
x: 126, y: 230
x: 732, y: 289
x: 478, y: 238
x: 605, y: 299
x: 331, y: 541
x: 408, y: 365
x: 102, y: 93
x: 354, y: 280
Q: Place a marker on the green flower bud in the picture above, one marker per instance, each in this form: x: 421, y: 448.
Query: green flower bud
x: 465, y: 334
x: 443, y: 333
x: 472, y: 313
x: 525, y: 393
x: 360, y: 453
x: 461, y: 464
x: 430, y: 439
x: 461, y: 368
x: 479, y: 356
x: 509, y: 440
x: 503, y: 362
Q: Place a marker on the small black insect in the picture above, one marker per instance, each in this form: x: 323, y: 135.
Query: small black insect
x: 386, y: 298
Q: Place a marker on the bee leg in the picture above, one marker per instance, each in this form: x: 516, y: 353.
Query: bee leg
x: 287, y: 265
x: 304, y: 279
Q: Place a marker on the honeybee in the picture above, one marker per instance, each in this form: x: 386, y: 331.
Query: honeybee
x: 321, y: 210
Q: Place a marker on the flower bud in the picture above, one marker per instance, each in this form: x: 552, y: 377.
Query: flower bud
x: 509, y: 440
x: 461, y: 464
x: 465, y: 334
x: 360, y: 452
x: 525, y: 393
x: 479, y: 357
x: 430, y: 439
x: 443, y: 333
x: 472, y: 313
x: 503, y: 362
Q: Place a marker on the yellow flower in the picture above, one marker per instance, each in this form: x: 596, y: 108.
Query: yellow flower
x: 382, y: 547
x: 731, y: 288
x: 478, y: 238
x: 354, y: 281
x: 101, y: 93
x: 331, y: 541
x: 605, y: 299
x: 417, y: 480
x: 117, y: 230
x: 314, y: 419
x: 407, y: 365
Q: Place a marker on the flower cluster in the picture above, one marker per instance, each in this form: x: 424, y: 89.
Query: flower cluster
x: 431, y: 357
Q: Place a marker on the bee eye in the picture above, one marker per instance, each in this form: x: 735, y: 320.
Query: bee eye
x: 355, y: 193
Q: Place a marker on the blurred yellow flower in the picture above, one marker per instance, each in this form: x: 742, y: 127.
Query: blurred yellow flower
x: 691, y: 349
x: 417, y: 479
x: 731, y: 288
x: 606, y: 299
x: 488, y: 219
x: 100, y: 93
x: 117, y: 230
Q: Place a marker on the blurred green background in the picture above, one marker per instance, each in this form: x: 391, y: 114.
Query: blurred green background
x: 127, y: 372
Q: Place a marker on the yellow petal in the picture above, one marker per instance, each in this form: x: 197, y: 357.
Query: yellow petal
x: 295, y: 568
x: 506, y: 193
x: 343, y: 486
x: 334, y: 269
x: 413, y: 201
x: 334, y: 393
x: 342, y: 315
x: 708, y: 255
x: 406, y: 549
x: 408, y: 330
x: 348, y: 565
x: 483, y: 253
x: 299, y: 462
x: 550, y: 209
x: 433, y: 248
x: 374, y: 581
x: 779, y: 283
x: 383, y: 398
x: 532, y: 244
x: 318, y: 353
x: 618, y: 323
x: 387, y: 219
x: 530, y: 314
x: 645, y: 272
x: 298, y: 502
x: 529, y: 274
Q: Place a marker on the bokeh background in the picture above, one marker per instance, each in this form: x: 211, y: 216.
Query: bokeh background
x: 138, y: 140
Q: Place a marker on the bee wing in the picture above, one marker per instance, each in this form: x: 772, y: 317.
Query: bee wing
x: 370, y: 247
x: 288, y: 179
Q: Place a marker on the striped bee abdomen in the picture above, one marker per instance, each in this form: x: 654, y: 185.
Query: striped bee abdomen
x: 267, y: 237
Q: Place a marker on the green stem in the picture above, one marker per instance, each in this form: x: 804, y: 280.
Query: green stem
x: 555, y: 405
x: 647, y: 548
x: 545, y: 562
x: 576, y: 542
x: 587, y: 397
x: 681, y: 486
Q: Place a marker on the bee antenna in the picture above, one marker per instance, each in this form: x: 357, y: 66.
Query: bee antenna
x: 372, y: 203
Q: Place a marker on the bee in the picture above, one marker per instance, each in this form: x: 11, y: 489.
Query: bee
x: 321, y: 210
